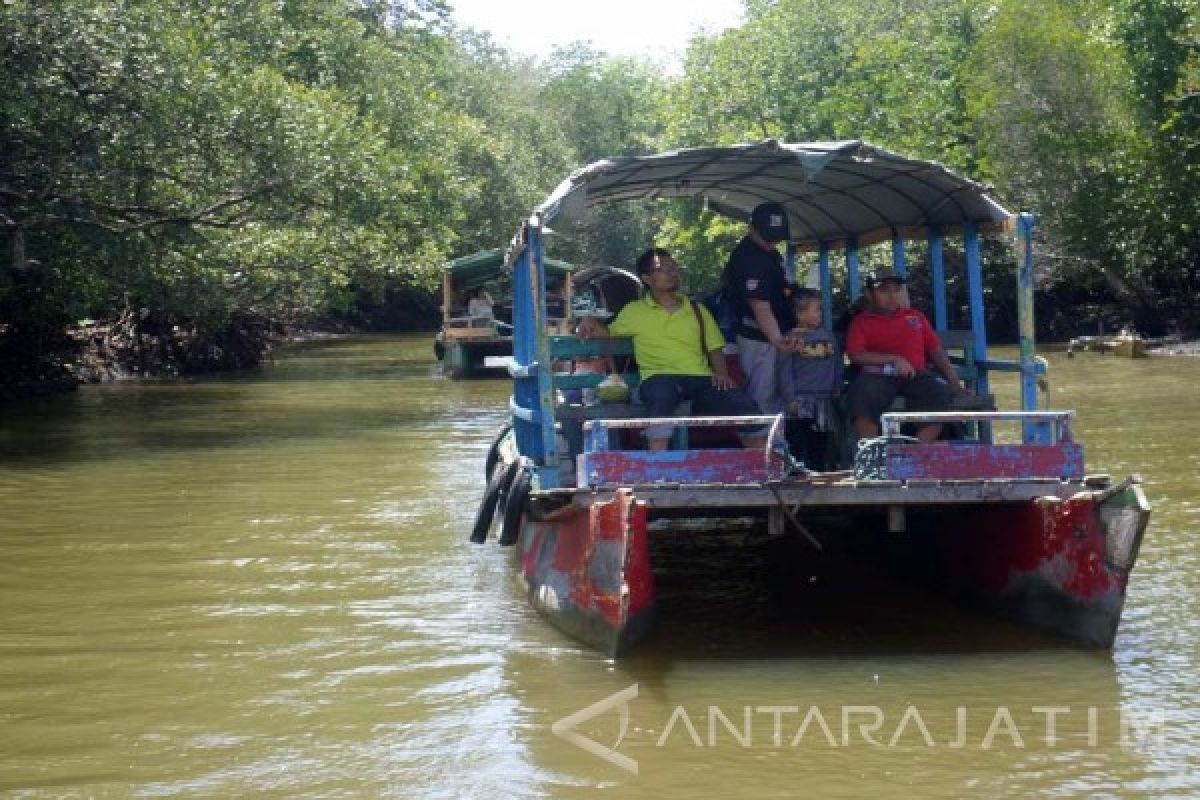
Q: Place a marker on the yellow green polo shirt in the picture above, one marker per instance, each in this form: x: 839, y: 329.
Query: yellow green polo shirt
x: 667, y: 342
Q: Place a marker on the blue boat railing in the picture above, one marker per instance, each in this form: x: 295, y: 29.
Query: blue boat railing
x: 603, y: 464
x: 1050, y: 454
x: 1058, y: 422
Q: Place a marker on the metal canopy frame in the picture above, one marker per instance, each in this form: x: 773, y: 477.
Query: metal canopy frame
x: 833, y: 191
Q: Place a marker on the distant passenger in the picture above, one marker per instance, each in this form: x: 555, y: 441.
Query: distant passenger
x: 480, y: 304
x: 894, y: 345
x: 678, y: 358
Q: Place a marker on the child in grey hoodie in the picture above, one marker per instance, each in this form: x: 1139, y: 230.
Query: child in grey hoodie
x: 809, y: 381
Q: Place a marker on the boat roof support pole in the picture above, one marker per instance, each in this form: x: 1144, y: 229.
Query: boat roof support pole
x: 789, y: 262
x: 525, y: 386
x: 937, y: 268
x: 568, y: 292
x: 1032, y: 432
x: 548, y: 472
x: 853, y: 280
x: 826, y: 286
x: 898, y: 256
x: 975, y: 293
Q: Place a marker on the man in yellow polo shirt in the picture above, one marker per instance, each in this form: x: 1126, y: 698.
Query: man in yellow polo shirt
x: 676, y: 361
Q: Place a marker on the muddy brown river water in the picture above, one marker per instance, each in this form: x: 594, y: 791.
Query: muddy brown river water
x: 260, y: 585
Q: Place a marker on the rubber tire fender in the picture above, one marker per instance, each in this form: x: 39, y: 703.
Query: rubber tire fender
x: 497, y: 486
x: 493, y: 453
x: 516, y: 502
x: 509, y: 472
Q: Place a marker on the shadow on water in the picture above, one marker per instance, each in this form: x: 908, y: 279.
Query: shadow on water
x: 749, y: 627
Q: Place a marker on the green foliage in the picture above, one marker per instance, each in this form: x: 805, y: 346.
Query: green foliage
x: 1072, y: 102
x: 1162, y: 42
x: 1047, y: 96
x: 701, y: 241
x: 803, y: 70
x: 604, y: 106
x: 506, y: 147
x: 265, y: 157
x: 812, y: 70
x: 206, y: 159
x: 1081, y: 111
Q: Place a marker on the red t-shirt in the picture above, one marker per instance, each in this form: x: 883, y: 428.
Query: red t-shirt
x: 905, y: 333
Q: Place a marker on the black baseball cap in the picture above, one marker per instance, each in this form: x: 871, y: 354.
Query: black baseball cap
x: 771, y: 221
x: 883, y: 275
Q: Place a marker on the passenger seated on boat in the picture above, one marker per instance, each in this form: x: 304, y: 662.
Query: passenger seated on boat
x: 893, y: 345
x: 556, y: 306
x: 587, y: 365
x: 809, y: 379
x: 480, y: 304
x: 678, y: 348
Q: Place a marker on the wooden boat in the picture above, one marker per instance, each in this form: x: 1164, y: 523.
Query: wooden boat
x: 1016, y: 526
x: 1125, y: 344
x: 467, y: 340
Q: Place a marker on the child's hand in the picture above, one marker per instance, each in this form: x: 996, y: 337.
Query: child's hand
x: 793, y: 342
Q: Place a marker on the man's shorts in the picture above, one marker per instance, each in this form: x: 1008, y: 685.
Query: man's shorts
x: 870, y: 394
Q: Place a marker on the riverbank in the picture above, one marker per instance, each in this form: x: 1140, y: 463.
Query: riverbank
x: 127, y: 348
x: 41, y: 363
x: 39, y: 360
x: 1174, y: 345
x: 1180, y: 348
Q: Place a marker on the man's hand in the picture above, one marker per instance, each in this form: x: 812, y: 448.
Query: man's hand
x: 903, y: 368
x: 942, y: 362
x: 724, y: 382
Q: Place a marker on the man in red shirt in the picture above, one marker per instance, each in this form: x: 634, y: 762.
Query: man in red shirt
x: 894, y: 345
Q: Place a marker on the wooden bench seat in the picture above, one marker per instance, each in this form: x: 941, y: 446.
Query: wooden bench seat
x: 960, y: 402
x: 600, y: 411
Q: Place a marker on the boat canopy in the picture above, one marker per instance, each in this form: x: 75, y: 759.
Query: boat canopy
x: 834, y: 192
x: 470, y: 271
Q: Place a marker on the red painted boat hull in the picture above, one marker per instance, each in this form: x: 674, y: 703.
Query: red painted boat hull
x: 588, y: 570
x: 1060, y: 565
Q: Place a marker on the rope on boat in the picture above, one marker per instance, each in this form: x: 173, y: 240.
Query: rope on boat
x: 794, y: 519
x: 1105, y: 495
x: 870, y: 462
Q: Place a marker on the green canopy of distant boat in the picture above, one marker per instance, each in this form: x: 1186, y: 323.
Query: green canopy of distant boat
x: 467, y: 272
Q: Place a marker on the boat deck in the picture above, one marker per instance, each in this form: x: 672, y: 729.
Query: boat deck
x: 831, y: 491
